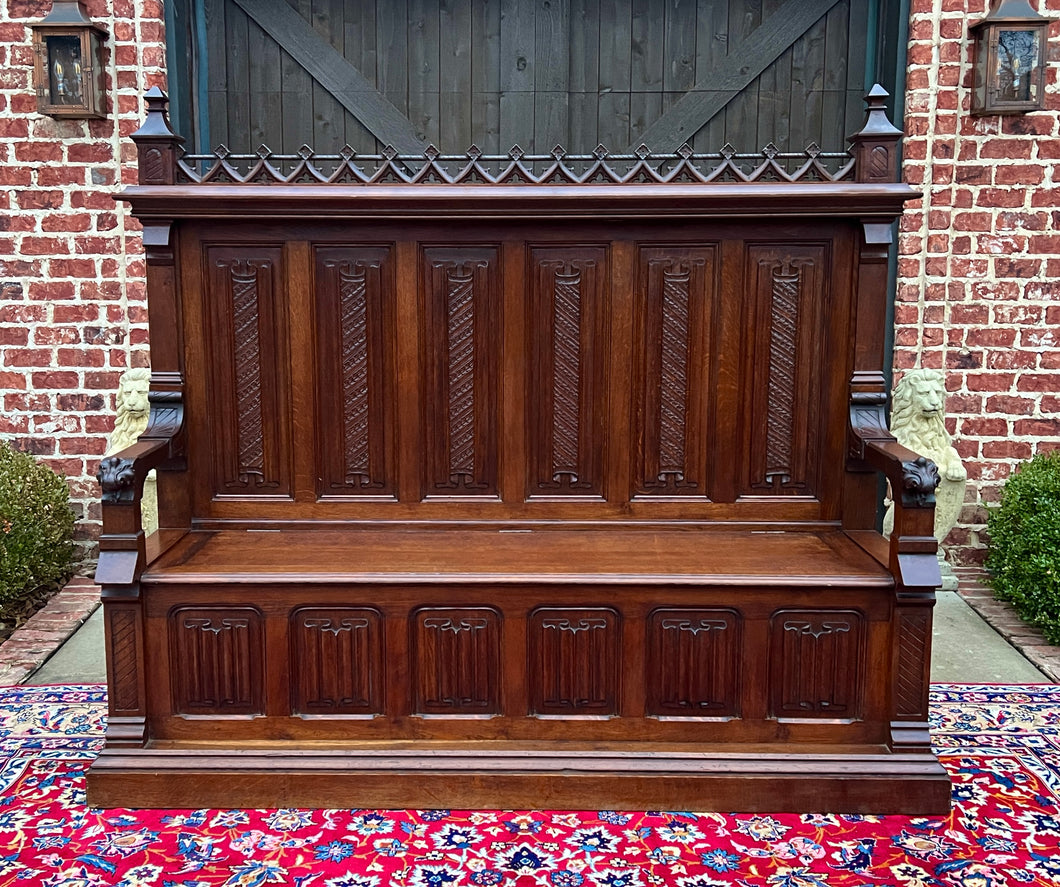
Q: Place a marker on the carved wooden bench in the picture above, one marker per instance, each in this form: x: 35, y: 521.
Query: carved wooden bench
x: 520, y: 482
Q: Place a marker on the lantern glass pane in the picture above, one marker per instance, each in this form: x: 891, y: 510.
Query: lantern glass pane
x: 1017, y: 64
x: 65, y: 80
x: 980, y: 73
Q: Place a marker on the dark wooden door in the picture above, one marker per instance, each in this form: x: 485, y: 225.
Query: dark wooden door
x: 532, y: 73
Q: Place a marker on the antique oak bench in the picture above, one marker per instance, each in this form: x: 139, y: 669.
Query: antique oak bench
x: 518, y: 482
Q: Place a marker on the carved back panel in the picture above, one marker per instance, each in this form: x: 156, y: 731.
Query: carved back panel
x: 520, y: 371
x: 354, y: 287
x: 461, y: 369
x: 245, y: 320
x: 784, y: 361
x: 676, y: 303
x: 566, y: 320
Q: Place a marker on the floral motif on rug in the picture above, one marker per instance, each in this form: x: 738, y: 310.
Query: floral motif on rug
x: 1001, y: 745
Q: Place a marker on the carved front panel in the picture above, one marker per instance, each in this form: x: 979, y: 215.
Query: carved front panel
x: 817, y: 664
x: 456, y: 659
x: 338, y: 663
x: 789, y: 287
x: 693, y: 667
x: 354, y: 292
x: 574, y: 667
x: 567, y: 323
x: 248, y: 371
x: 126, y: 650
x: 913, y: 625
x: 462, y: 338
x: 675, y: 302
x: 217, y: 656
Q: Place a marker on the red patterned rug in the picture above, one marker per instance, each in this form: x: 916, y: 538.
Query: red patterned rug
x: 1000, y: 744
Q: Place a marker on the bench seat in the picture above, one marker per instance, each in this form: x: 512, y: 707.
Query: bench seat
x: 519, y: 556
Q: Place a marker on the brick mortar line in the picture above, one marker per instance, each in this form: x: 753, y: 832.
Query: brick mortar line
x: 929, y: 137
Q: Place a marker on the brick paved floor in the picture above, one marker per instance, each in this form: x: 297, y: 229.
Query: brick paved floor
x: 44, y: 632
x: 1003, y: 619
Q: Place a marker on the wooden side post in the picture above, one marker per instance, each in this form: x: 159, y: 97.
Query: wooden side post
x: 124, y: 550
x: 912, y: 552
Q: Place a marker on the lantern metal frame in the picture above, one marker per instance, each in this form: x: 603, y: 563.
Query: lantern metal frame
x: 1008, y: 59
x: 68, y: 63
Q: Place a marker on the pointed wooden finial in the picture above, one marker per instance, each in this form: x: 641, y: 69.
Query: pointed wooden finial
x: 876, y: 120
x: 875, y: 145
x: 158, y: 147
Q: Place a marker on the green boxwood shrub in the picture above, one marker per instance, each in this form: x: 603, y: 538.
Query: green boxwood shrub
x: 36, y: 526
x: 1024, y: 555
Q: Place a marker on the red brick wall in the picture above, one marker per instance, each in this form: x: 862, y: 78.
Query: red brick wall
x: 979, y: 258
x: 72, y: 311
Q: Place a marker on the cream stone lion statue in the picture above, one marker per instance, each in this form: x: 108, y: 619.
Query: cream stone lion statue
x: 917, y: 421
x: 134, y: 409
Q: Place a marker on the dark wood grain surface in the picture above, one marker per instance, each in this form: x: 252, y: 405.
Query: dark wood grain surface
x: 518, y: 495
x: 518, y: 555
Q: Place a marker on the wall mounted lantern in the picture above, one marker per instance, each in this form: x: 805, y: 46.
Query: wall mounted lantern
x: 1008, y: 59
x: 68, y: 63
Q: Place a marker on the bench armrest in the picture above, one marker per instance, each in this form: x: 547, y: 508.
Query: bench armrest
x: 122, y: 475
x: 913, y: 548
x: 123, y: 549
x: 913, y: 477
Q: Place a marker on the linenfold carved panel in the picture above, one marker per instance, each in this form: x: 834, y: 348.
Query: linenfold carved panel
x: 567, y: 399
x: 456, y: 659
x: 355, y: 291
x: 337, y: 653
x: 217, y: 652
x: 675, y: 298
x: 693, y: 667
x: 462, y: 337
x: 248, y: 367
x: 574, y: 667
x: 817, y: 664
x: 789, y: 287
